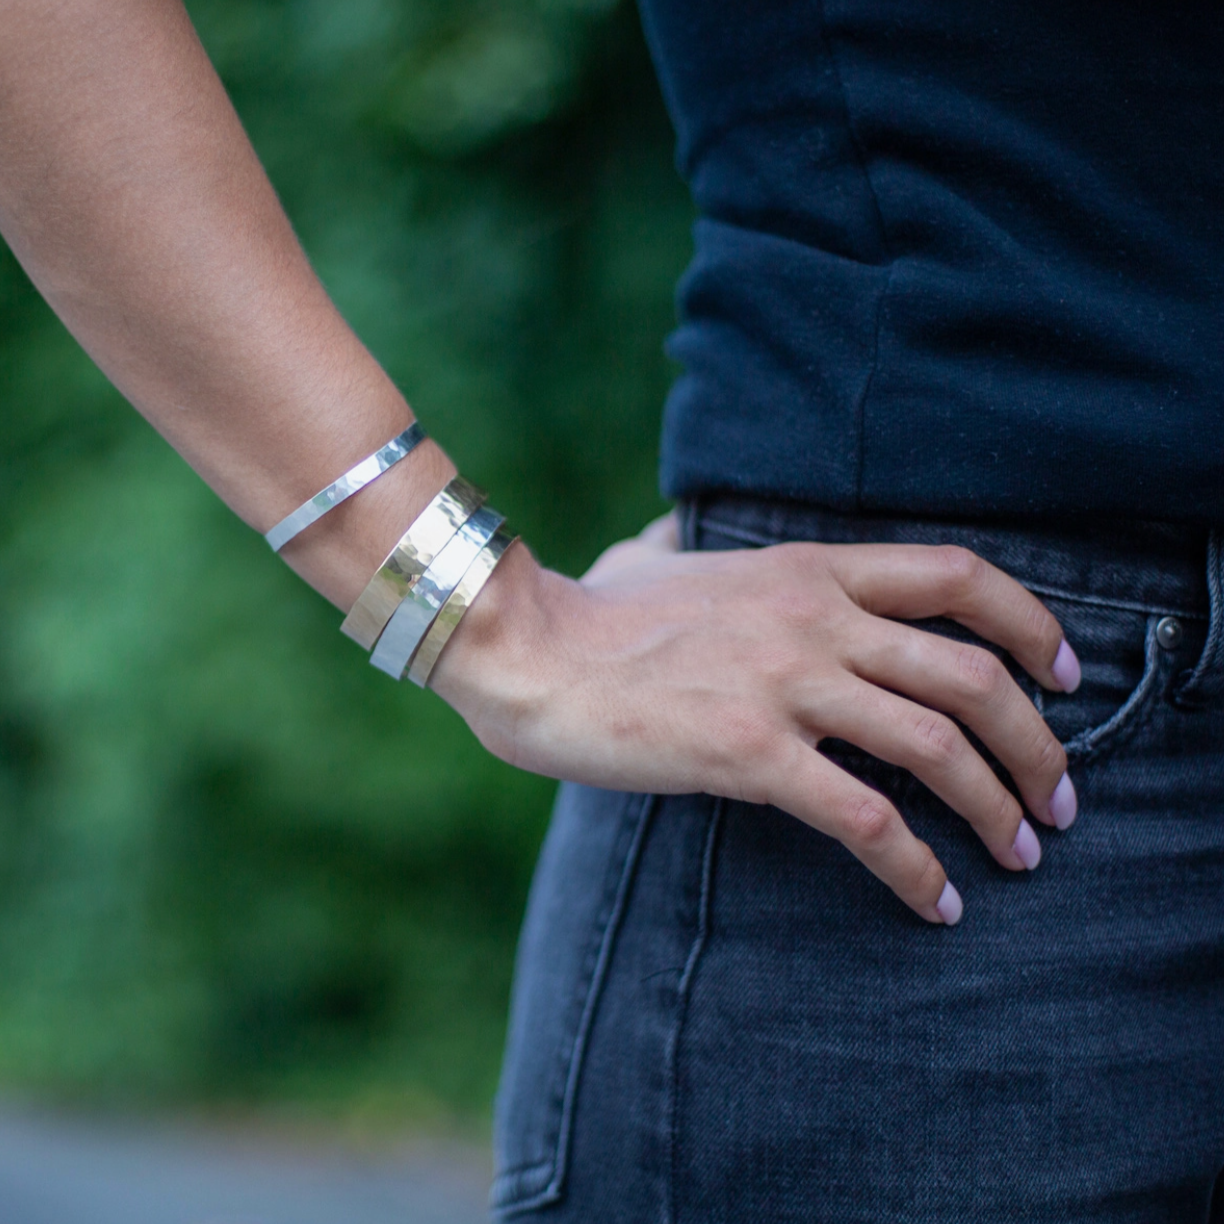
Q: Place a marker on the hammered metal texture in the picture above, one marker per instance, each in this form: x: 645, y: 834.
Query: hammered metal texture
x: 460, y: 600
x: 409, y: 559
x: 423, y: 602
x: 353, y: 481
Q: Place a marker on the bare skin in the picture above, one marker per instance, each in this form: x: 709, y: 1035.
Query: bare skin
x: 131, y: 195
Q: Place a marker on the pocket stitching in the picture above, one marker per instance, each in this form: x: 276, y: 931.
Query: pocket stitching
x: 709, y: 862
x: 508, y: 1195
x: 1131, y: 714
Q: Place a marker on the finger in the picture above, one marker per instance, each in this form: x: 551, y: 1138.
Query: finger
x: 933, y: 748
x: 810, y: 787
x: 912, y: 581
x: 662, y: 533
x: 970, y: 683
x: 657, y: 538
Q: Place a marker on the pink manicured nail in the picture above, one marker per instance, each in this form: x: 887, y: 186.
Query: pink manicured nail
x: 949, y: 905
x: 1066, y: 668
x: 1026, y: 845
x: 1063, y: 804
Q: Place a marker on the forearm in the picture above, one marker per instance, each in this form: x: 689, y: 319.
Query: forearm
x: 131, y: 195
x: 129, y: 191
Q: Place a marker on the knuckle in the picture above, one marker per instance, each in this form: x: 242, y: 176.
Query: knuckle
x: 744, y: 736
x: 777, y: 663
x: 1038, y: 625
x: 765, y: 771
x: 1051, y: 758
x: 792, y: 608
x: 979, y: 674
x: 938, y: 740
x: 929, y: 878
x: 797, y: 587
x: 802, y: 559
x: 870, y: 822
x: 1005, y: 814
x: 751, y: 787
x: 962, y: 568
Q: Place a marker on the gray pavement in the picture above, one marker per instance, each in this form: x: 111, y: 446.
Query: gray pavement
x: 57, y: 1169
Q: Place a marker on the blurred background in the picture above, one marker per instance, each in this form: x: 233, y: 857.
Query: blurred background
x: 239, y: 869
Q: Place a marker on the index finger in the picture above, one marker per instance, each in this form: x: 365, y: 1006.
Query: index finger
x: 913, y: 581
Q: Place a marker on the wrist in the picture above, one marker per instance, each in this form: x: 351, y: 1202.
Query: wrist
x: 494, y: 669
x: 338, y: 554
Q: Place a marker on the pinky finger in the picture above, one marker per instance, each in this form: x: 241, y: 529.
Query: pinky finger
x: 820, y: 794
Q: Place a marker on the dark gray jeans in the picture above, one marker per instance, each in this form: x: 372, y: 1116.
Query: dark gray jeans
x: 720, y: 1015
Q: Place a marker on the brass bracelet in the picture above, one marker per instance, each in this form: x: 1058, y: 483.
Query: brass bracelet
x: 353, y: 481
x: 409, y: 559
x: 416, y: 613
x: 457, y: 603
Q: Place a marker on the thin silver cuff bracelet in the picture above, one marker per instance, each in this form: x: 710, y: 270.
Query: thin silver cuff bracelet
x: 459, y: 601
x: 354, y: 480
x: 412, y: 619
x: 409, y: 559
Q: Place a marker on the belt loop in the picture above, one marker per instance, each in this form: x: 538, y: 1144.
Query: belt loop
x: 1206, y: 681
x: 689, y: 512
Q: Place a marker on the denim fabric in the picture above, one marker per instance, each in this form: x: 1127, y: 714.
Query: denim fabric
x: 719, y: 1015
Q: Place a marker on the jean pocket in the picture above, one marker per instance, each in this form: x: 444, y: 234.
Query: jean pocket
x: 1123, y: 676
x: 1124, y: 672
x: 579, y: 893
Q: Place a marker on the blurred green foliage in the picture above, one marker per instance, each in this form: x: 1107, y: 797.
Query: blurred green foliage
x: 236, y: 862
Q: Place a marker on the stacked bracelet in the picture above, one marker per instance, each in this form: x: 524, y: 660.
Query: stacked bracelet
x: 457, y: 603
x: 412, y: 605
x: 415, y: 601
x: 409, y: 560
x: 353, y: 481
x: 412, y: 620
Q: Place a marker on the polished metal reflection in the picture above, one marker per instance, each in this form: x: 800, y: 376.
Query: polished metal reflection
x: 412, y: 619
x: 459, y: 601
x: 409, y: 559
x: 353, y: 481
x: 1169, y: 632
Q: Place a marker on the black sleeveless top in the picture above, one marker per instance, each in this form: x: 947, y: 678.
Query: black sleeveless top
x: 954, y: 257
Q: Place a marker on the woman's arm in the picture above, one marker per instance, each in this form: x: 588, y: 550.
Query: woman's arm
x: 132, y: 197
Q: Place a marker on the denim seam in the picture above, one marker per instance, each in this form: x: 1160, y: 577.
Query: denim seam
x: 523, y: 1181
x: 1125, y: 605
x: 552, y: 1191
x: 672, y: 1064
x: 748, y: 536
x: 1190, y: 691
x: 690, y: 523
x: 1127, y: 718
x: 568, y: 1043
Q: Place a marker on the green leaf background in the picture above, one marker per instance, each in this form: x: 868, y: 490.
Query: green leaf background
x: 236, y: 863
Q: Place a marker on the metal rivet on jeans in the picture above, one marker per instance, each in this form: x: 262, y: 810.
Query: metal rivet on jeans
x: 1169, y: 632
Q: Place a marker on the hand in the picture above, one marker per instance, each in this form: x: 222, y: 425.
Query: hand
x: 721, y: 672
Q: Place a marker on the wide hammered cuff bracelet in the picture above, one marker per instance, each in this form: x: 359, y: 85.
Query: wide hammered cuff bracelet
x: 457, y: 603
x: 409, y: 559
x: 415, y: 614
x: 353, y: 481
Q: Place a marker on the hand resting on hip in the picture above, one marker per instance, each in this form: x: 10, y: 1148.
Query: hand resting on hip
x: 721, y: 672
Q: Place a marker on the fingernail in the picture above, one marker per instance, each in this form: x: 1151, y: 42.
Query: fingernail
x: 1026, y: 845
x: 1063, y: 804
x: 1066, y: 668
x: 950, y: 905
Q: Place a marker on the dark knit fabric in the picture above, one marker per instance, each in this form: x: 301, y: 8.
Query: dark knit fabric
x: 954, y: 257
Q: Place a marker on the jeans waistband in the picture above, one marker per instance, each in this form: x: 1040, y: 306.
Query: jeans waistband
x: 1145, y: 566
x: 1161, y: 569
